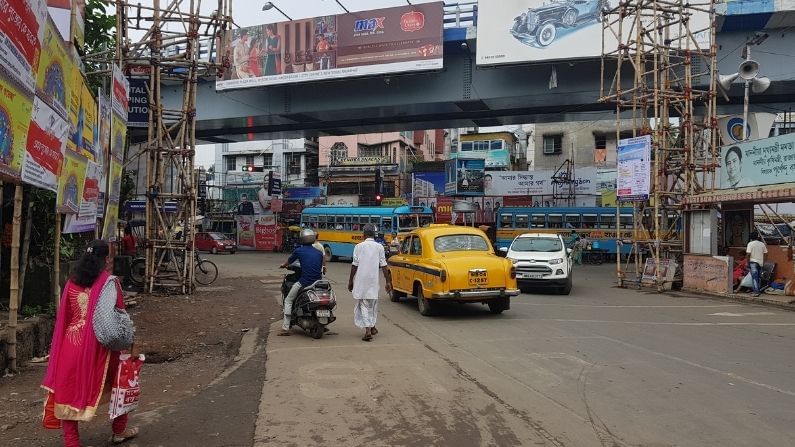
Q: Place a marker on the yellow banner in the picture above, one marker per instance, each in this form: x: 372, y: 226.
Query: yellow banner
x: 88, y: 107
x: 110, y: 222
x: 118, y: 137
x: 55, y: 74
x: 15, y: 113
x: 115, y: 179
x: 71, y: 183
x: 74, y: 116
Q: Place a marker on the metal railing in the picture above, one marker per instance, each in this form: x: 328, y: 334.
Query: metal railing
x: 460, y: 14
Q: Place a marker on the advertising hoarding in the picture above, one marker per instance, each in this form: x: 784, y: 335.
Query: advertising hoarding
x: 536, y: 183
x: 22, y: 24
x: 516, y: 31
x: 391, y: 40
x: 46, y: 144
x: 757, y: 163
x: 15, y: 113
x: 71, y: 183
x: 758, y: 126
x: 464, y: 177
x: 138, y: 105
x: 55, y: 68
x: 120, y: 93
x: 427, y: 184
x: 633, y: 180
x: 343, y: 200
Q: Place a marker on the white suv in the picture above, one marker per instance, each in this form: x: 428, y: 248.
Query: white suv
x: 541, y: 260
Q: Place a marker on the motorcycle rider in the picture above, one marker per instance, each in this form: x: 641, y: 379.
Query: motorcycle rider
x: 311, y: 261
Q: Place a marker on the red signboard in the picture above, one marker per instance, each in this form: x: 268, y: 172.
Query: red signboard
x: 517, y: 201
x: 265, y: 237
x: 444, y: 209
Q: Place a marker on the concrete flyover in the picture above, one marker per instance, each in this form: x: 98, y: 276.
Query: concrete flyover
x: 460, y: 95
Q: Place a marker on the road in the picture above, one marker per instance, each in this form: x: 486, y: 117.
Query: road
x: 601, y: 367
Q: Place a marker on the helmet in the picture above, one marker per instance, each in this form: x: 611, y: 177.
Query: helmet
x: 307, y: 237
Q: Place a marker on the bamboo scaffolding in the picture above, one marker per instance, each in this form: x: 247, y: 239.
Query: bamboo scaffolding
x: 657, y: 44
x: 13, y: 306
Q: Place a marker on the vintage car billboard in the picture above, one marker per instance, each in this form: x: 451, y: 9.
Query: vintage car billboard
x: 516, y: 31
x: 391, y: 40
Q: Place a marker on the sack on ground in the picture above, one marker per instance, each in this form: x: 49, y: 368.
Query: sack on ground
x: 48, y: 419
x: 112, y: 326
x: 126, y: 388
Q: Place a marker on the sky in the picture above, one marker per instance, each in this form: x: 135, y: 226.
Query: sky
x: 249, y: 13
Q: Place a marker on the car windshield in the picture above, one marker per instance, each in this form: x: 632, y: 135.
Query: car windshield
x: 217, y: 237
x: 544, y: 244
x: 460, y: 242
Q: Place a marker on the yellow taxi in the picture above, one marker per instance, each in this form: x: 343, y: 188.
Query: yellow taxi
x: 451, y: 263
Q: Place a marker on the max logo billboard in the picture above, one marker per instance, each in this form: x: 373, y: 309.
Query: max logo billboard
x: 368, y: 25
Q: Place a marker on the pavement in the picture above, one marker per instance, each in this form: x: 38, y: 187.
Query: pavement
x: 602, y: 366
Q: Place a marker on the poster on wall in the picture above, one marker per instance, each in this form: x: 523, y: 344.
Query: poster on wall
x: 392, y: 40
x: 516, y: 31
x: 265, y: 237
x: 15, y: 113
x: 55, y: 69
x: 74, y: 112
x: 46, y: 144
x: 120, y: 93
x: 71, y: 183
x: 118, y: 136
x: 88, y: 107
x: 88, y: 204
x: 758, y: 163
x: 737, y: 227
x: 633, y: 181
x: 114, y: 180
x: 22, y: 24
x: 246, y: 238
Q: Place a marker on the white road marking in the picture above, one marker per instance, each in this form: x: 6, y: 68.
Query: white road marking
x: 704, y: 367
x: 652, y: 323
x: 514, y: 301
x: 745, y: 314
x: 324, y: 346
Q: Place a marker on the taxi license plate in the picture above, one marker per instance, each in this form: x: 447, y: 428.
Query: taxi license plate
x: 478, y: 277
x: 323, y: 313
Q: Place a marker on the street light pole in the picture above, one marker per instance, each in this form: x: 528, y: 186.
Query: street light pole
x: 270, y: 5
x: 746, y: 97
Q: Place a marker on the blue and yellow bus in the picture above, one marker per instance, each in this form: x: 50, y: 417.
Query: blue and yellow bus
x: 596, y: 224
x: 340, y: 228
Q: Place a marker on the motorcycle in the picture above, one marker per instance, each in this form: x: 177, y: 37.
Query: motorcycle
x: 313, y: 308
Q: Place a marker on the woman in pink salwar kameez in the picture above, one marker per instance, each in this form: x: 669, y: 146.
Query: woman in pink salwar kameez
x: 80, y: 368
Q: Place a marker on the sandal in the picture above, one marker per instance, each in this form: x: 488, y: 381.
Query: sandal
x: 126, y: 435
x: 284, y: 333
x: 373, y: 330
x: 367, y: 338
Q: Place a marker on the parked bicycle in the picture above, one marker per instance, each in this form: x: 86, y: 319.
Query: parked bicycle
x: 205, y: 271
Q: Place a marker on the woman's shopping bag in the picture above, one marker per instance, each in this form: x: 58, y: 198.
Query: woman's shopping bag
x: 126, y: 388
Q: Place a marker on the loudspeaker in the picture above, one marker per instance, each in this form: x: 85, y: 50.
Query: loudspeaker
x: 748, y: 70
x: 725, y: 81
x: 759, y: 85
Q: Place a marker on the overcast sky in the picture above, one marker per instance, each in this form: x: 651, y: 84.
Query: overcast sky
x: 249, y: 13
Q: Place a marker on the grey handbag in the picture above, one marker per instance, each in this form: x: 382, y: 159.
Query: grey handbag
x: 112, y: 326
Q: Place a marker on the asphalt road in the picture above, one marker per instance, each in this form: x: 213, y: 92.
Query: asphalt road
x: 601, y: 367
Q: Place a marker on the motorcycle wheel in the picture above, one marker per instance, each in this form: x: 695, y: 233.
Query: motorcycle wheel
x: 317, y: 331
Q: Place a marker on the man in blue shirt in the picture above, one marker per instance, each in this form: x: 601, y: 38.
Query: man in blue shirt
x: 311, y: 261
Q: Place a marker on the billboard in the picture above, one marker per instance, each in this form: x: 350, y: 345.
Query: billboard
x: 758, y: 163
x: 516, y: 31
x: 71, y: 183
x: 633, y: 180
x: 427, y: 184
x: 46, y: 144
x: 465, y: 177
x: 392, y: 40
x: 15, y: 113
x: 758, y: 126
x: 138, y: 103
x: 21, y: 32
x: 55, y: 68
x: 536, y: 183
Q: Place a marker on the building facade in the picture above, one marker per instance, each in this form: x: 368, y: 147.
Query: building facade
x: 248, y: 163
x: 501, y: 150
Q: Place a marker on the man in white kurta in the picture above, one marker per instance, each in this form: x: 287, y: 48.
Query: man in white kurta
x: 364, y: 282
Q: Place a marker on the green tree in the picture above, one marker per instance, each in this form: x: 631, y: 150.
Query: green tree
x: 100, y: 35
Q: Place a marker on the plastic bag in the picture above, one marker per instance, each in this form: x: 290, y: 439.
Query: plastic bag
x: 126, y: 388
x: 748, y: 281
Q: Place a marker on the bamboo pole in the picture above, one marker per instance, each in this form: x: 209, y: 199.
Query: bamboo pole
x: 13, y: 306
x: 23, y: 268
x: 56, y: 264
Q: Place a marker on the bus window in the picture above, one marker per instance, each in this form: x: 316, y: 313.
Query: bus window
x: 407, y: 222
x: 426, y: 219
x: 589, y: 221
x: 386, y: 224
x: 626, y: 221
x: 538, y: 221
x: 555, y: 221
x: 573, y: 221
x: 607, y: 221
x: 521, y: 221
x: 313, y: 221
x: 338, y: 222
x: 506, y: 221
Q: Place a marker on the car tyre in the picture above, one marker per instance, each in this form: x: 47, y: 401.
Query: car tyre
x: 213, y: 250
x: 395, y: 296
x: 569, y: 18
x: 546, y: 34
x: 498, y: 306
x: 565, y: 290
x: 425, y: 306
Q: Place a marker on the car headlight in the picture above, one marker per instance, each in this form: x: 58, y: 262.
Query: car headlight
x: 511, y: 259
x: 555, y: 261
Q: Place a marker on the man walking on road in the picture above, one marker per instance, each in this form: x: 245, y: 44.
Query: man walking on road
x: 368, y: 258
x: 756, y: 250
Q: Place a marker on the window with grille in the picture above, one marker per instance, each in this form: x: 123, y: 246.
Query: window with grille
x: 267, y: 160
x: 249, y: 160
x: 231, y: 163
x: 553, y: 144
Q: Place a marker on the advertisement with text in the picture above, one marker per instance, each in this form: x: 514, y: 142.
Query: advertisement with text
x: 391, y: 40
x: 757, y: 163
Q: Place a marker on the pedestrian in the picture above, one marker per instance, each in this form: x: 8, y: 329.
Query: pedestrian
x: 128, y: 243
x: 311, y: 260
x: 368, y: 258
x: 756, y: 250
x: 80, y: 368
